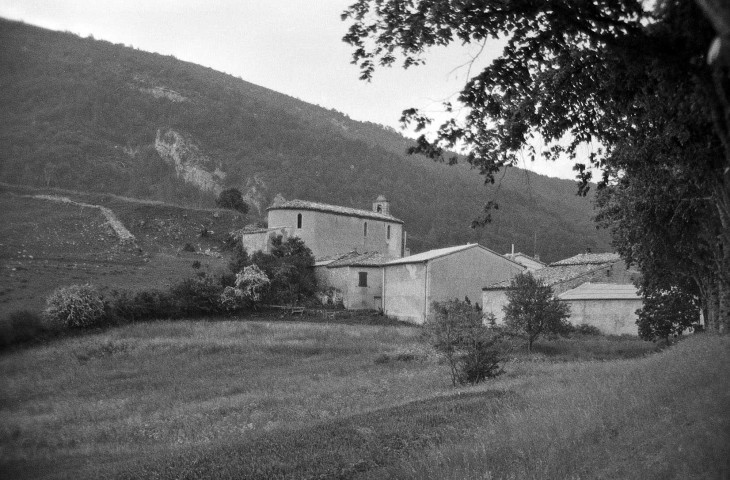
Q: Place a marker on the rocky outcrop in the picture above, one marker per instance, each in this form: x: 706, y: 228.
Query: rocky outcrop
x: 254, y: 194
x: 190, y: 163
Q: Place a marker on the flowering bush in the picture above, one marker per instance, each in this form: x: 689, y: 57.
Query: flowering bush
x: 252, y: 282
x: 231, y: 299
x: 77, y: 306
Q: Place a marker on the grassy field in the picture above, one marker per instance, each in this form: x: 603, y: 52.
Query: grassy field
x: 255, y: 399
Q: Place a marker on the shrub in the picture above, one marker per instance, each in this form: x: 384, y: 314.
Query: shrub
x: 21, y: 326
x: 585, y: 329
x: 188, y: 248
x: 196, y: 296
x: 76, y: 306
x: 473, y: 351
x: 144, y: 305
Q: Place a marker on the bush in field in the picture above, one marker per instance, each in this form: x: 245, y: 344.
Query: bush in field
x: 473, y: 350
x: 77, y: 306
x: 533, y: 309
x: 585, y: 329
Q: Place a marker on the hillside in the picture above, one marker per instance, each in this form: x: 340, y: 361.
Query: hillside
x: 89, y: 115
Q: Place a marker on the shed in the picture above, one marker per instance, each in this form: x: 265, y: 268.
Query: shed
x: 609, y: 307
x: 411, y: 284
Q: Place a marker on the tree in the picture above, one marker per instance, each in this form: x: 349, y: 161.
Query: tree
x: 289, y: 267
x: 232, y: 199
x: 473, y: 351
x: 533, y: 309
x: 666, y: 314
x: 626, y: 75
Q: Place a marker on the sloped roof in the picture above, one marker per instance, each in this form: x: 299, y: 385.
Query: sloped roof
x: 553, y: 275
x: 588, y: 259
x: 442, y: 252
x: 601, y: 291
x: 336, y: 209
x: 355, y: 259
x: 513, y: 256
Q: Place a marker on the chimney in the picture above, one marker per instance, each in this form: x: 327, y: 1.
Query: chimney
x: 513, y: 249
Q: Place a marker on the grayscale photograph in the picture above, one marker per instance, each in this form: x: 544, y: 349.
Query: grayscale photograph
x: 365, y: 239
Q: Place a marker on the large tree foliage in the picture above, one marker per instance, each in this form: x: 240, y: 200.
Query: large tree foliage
x: 666, y: 314
x: 289, y: 269
x: 627, y: 76
x: 533, y: 310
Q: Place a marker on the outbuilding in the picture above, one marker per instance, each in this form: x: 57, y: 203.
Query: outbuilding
x: 411, y: 284
x: 354, y: 278
x: 609, y: 307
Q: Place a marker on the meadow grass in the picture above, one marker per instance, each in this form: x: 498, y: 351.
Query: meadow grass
x: 232, y: 399
x: 80, y: 402
x: 662, y: 417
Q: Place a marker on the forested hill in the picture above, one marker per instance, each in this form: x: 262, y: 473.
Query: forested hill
x: 89, y: 115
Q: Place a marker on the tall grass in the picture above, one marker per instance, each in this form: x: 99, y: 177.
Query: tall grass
x: 158, y: 387
x: 196, y: 399
x: 662, y: 417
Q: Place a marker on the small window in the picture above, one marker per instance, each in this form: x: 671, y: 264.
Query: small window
x: 299, y: 220
x: 362, y: 279
x: 365, y: 229
x: 388, y: 232
x: 380, y: 208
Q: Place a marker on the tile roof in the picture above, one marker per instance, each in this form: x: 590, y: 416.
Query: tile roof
x: 555, y: 274
x: 589, y: 259
x: 601, y: 291
x: 323, y: 207
x: 355, y: 259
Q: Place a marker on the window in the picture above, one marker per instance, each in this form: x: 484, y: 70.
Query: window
x: 365, y: 229
x: 362, y: 279
x: 299, y: 220
x: 380, y: 208
x: 388, y: 232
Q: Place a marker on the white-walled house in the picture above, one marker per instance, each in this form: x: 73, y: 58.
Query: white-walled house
x: 358, y: 278
x: 411, y: 284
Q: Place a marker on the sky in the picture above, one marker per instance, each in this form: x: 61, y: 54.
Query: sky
x: 290, y: 46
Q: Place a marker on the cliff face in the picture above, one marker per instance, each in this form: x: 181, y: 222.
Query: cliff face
x: 190, y: 163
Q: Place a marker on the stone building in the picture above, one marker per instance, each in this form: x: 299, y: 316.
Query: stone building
x: 411, y: 284
x: 358, y: 278
x: 331, y: 230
